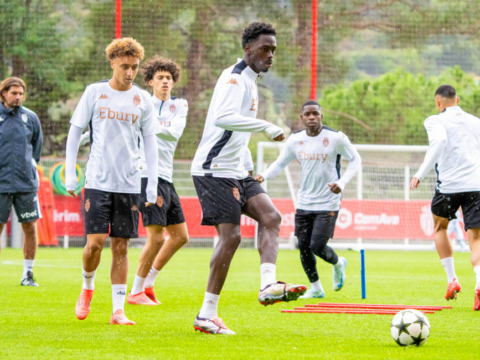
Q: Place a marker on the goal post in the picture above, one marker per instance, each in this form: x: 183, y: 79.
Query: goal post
x: 378, y: 210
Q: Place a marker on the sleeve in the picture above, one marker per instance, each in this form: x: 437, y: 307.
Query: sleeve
x: 148, y: 123
x: 348, y: 151
x: 37, y: 140
x: 151, y: 156
x: 286, y: 156
x: 175, y: 131
x: 228, y: 104
x: 437, y: 139
x: 73, y: 143
x: 247, y: 159
x: 84, y: 111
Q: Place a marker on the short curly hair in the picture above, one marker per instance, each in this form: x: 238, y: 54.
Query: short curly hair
x: 124, y: 47
x: 158, y: 63
x: 6, y: 84
x: 254, y: 30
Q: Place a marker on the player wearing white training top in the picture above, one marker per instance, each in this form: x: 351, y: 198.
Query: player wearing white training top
x: 454, y: 150
x: 118, y: 112
x: 166, y: 214
x: 223, y: 185
x: 318, y: 149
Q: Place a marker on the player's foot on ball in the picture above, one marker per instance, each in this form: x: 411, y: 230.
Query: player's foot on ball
x: 339, y: 273
x: 476, y: 303
x: 82, y: 309
x: 119, y: 318
x: 211, y: 326
x: 313, y: 294
x: 453, y: 289
x: 139, y: 299
x: 280, y: 291
x: 151, y: 294
x: 28, y: 280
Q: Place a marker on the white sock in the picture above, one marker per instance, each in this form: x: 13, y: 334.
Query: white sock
x: 209, y: 306
x: 267, y: 275
x: 151, y: 277
x: 88, y: 279
x: 138, y: 285
x: 317, y: 286
x: 27, y: 266
x: 476, y: 270
x: 119, y: 292
x: 449, y: 268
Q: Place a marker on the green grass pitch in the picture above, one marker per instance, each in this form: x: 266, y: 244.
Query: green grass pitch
x: 39, y: 323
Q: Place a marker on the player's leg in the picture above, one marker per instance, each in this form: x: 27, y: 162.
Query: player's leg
x: 29, y: 252
x: 471, y: 217
x: 5, y: 209
x: 303, y: 231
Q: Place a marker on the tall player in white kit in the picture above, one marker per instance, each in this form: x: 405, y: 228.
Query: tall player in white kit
x: 318, y: 149
x: 454, y: 150
x: 117, y: 112
x: 224, y: 187
x: 166, y: 214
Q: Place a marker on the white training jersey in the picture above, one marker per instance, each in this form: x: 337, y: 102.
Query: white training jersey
x: 230, y: 121
x: 172, y: 119
x: 117, y: 119
x: 454, y: 150
x: 319, y: 157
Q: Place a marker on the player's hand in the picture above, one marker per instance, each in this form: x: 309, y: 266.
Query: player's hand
x: 414, y: 183
x: 72, y: 193
x: 280, y: 137
x: 335, y: 188
x: 259, y: 178
x: 147, y: 204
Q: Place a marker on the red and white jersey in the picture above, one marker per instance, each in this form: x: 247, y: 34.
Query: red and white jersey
x: 172, y: 119
x: 454, y: 150
x: 231, y: 118
x: 319, y: 157
x: 117, y: 119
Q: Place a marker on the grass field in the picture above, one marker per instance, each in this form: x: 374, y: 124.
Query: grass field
x: 39, y: 323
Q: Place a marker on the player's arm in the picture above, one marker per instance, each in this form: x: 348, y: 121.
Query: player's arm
x: 227, y: 110
x: 348, y: 151
x: 151, y: 156
x: 247, y: 161
x: 437, y: 139
x: 37, y: 141
x: 286, y: 156
x: 175, y: 131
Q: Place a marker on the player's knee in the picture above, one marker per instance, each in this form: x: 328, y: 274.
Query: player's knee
x: 318, y: 245
x: 272, y: 219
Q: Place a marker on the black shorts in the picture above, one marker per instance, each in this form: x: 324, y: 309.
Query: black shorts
x: 25, y: 204
x: 167, y: 210
x: 322, y: 222
x: 446, y: 205
x: 111, y: 213
x: 223, y: 199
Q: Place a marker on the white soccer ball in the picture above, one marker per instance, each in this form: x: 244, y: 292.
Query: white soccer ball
x: 410, y: 327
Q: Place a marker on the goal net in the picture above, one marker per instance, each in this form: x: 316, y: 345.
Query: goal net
x: 378, y: 211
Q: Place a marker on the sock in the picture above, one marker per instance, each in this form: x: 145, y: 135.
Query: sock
x: 476, y: 270
x: 27, y: 266
x: 151, y: 277
x: 119, y: 292
x: 317, y: 286
x: 449, y: 268
x: 88, y: 279
x: 209, y: 306
x: 267, y: 275
x: 138, y: 285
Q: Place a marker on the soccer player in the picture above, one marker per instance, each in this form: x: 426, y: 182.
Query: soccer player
x: 455, y: 226
x: 454, y: 150
x: 224, y: 187
x: 118, y: 113
x: 21, y: 145
x: 318, y: 149
x: 166, y: 214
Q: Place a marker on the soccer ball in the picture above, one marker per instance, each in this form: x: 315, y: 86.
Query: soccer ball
x: 410, y: 327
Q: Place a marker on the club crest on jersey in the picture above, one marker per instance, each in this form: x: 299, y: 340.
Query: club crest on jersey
x: 301, y: 143
x: 1, y: 119
x: 326, y: 142
x: 159, y: 201
x: 136, y: 100
x: 172, y: 108
x: 236, y: 194
x: 87, y: 205
x: 232, y: 81
x: 103, y: 97
x: 24, y: 118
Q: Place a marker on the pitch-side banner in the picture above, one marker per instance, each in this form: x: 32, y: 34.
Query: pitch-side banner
x: 368, y: 219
